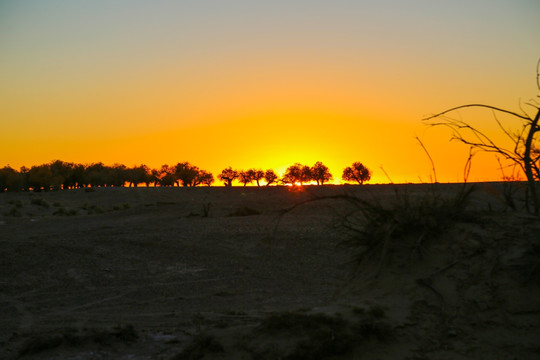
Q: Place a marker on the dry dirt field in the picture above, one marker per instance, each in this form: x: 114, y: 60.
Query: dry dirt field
x: 225, y: 273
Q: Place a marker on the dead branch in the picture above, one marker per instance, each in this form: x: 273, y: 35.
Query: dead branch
x: 521, y: 116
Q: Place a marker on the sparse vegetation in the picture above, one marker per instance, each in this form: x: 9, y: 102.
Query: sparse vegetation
x: 199, y: 346
x: 40, y: 202
x: 36, y: 344
x: 206, y: 209
x: 406, y: 221
x: 232, y: 265
x: 64, y: 212
x: 15, y: 203
x: 318, y: 336
x: 14, y: 212
x: 244, y: 211
x: 95, y: 209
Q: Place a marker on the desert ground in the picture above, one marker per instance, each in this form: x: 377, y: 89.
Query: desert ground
x: 263, y: 273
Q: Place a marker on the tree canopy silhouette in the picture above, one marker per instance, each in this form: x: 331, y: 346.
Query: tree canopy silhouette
x: 270, y: 177
x: 245, y: 177
x: 356, y: 172
x: 187, y: 174
x: 297, y: 174
x: 65, y: 175
x: 257, y: 175
x: 228, y: 175
x: 320, y: 173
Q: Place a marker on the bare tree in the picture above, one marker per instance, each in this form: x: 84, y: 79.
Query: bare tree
x: 525, y: 152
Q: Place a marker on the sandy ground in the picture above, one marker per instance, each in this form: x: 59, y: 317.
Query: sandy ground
x: 218, y: 273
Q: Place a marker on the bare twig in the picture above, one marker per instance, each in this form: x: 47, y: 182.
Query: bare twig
x: 524, y: 117
x: 430, y: 159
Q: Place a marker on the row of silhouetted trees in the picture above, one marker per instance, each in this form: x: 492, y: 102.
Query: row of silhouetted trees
x: 65, y: 175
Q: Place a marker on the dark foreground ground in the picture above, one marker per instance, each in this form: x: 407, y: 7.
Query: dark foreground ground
x: 217, y: 273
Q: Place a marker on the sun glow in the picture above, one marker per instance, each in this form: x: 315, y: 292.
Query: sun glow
x: 262, y: 85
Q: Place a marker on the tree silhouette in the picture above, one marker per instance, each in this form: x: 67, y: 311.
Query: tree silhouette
x: 79, y: 175
x: 357, y: 172
x: 166, y: 176
x: 305, y: 174
x: 270, y: 177
x: 63, y: 175
x: 139, y: 175
x: 118, y: 175
x: 187, y: 174
x: 154, y: 177
x: 245, y: 177
x: 292, y: 175
x: 40, y: 177
x: 297, y: 174
x: 228, y: 175
x: 205, y: 177
x: 320, y: 173
x: 11, y: 179
x: 257, y: 175
x: 96, y: 175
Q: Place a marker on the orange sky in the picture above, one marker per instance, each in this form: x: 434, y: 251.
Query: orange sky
x: 247, y: 84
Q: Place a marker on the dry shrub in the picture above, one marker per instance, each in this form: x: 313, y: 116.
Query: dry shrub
x: 72, y: 337
x: 40, y: 202
x: 377, y: 227
x: 200, y: 345
x: 244, y: 211
x: 320, y: 336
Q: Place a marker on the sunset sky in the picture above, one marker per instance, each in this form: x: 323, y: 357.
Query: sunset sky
x: 260, y: 83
